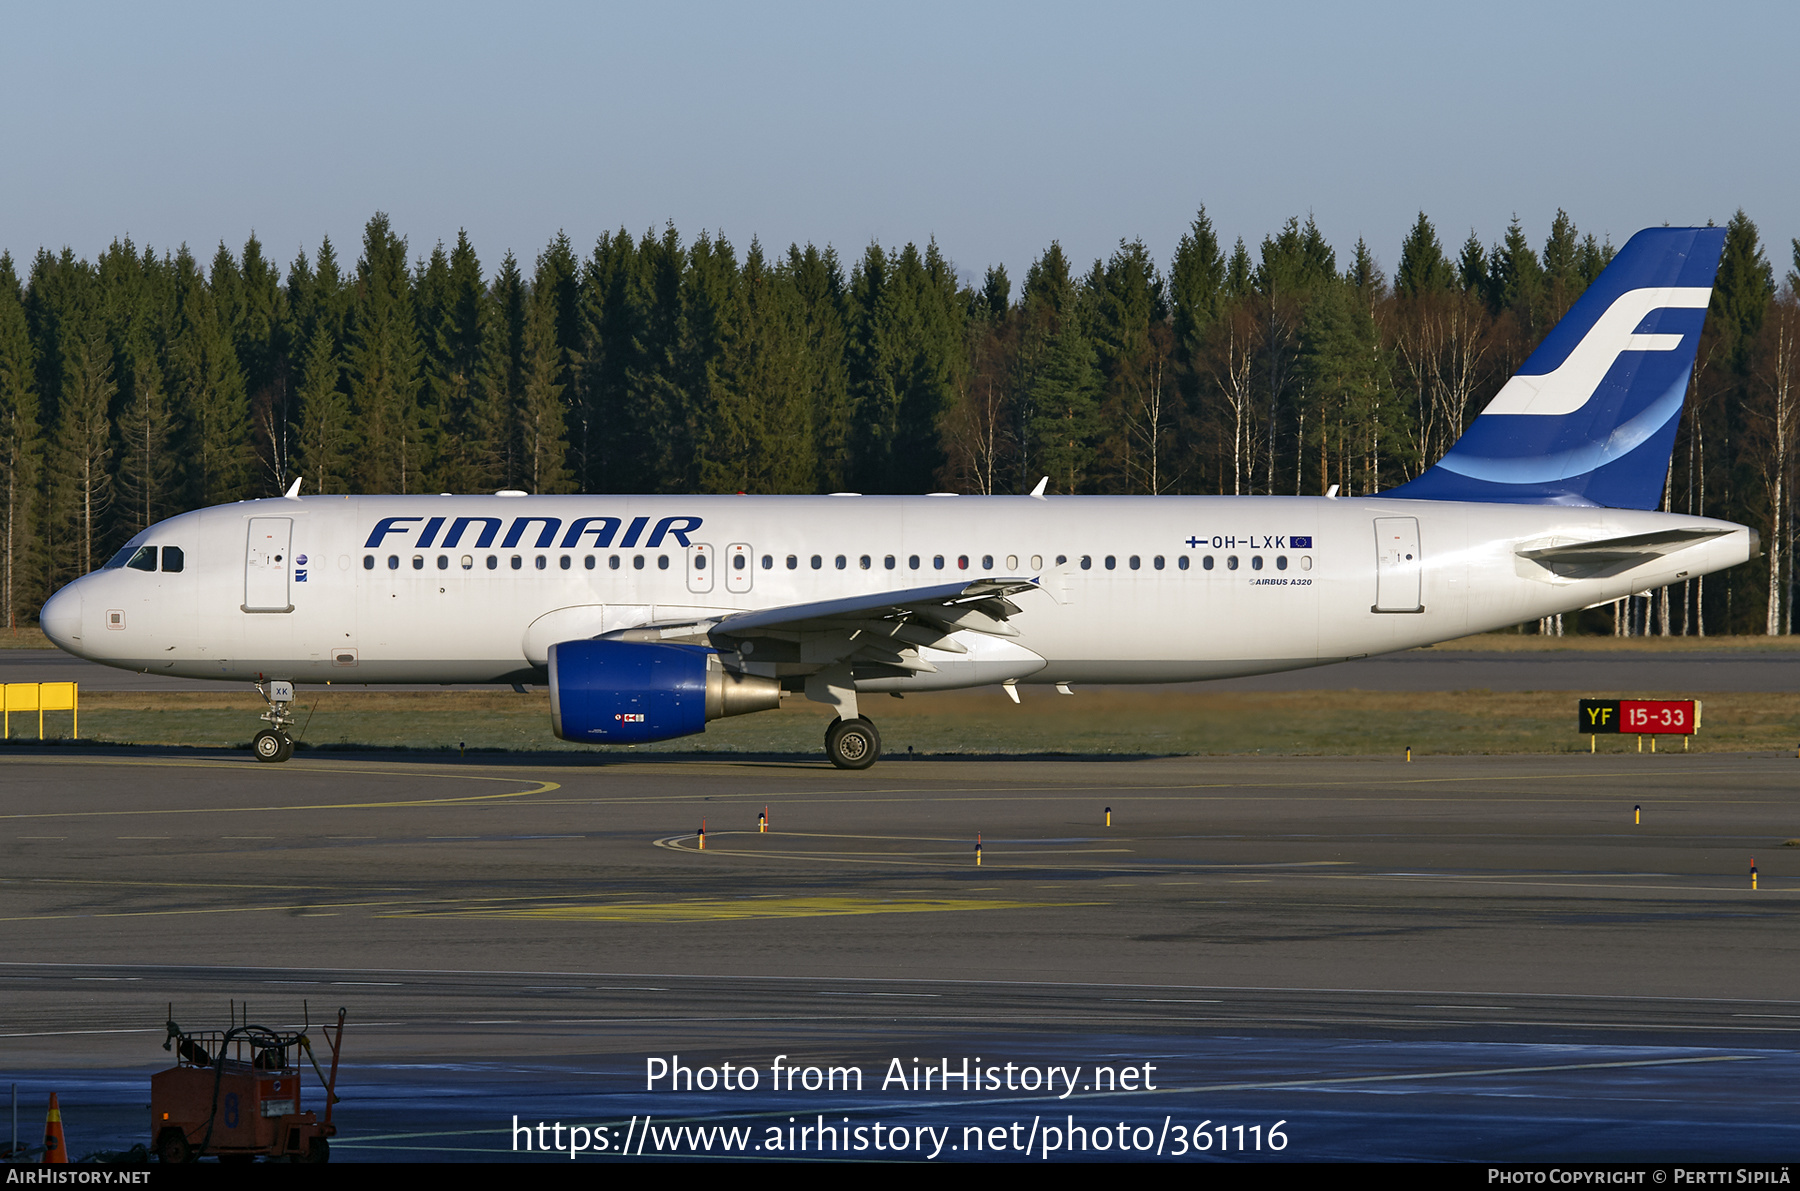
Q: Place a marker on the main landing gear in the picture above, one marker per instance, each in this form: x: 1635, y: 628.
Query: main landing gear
x: 273, y: 743
x: 852, y: 743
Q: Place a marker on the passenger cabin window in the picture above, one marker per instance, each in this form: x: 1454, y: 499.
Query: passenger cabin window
x: 962, y: 562
x: 1281, y: 562
x: 937, y: 561
x: 662, y: 562
x: 1256, y: 562
x: 612, y: 562
x: 888, y: 562
x: 637, y: 562
x: 768, y: 562
x: 393, y: 562
x: 1231, y: 563
x: 739, y: 562
x: 588, y: 562
x: 443, y: 562
x: 818, y: 562
x: 468, y: 562
x: 913, y: 561
x: 987, y: 562
x: 541, y: 562
x: 793, y: 562
x: 1183, y: 563
x: 173, y: 559
x: 841, y: 562
x: 1087, y: 562
x: 699, y: 562
x: 864, y: 562
x: 1157, y: 562
x: 1206, y: 562
x: 144, y: 559
x: 368, y: 562
x: 493, y: 562
x: 517, y: 562
x: 418, y: 562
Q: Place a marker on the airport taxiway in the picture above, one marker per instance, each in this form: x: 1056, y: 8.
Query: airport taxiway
x: 1319, y: 934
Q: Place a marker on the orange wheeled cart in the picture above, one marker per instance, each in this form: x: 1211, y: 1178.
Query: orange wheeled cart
x: 235, y: 1094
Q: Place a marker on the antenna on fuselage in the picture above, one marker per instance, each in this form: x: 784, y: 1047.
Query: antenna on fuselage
x: 1041, y: 485
x: 293, y: 492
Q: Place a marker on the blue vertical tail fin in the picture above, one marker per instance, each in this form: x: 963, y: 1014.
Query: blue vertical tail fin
x: 1590, y: 418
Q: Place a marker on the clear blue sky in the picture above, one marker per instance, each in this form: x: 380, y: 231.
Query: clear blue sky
x: 994, y: 127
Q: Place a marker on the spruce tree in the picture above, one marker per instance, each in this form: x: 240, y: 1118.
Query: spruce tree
x: 383, y: 362
x: 501, y: 378
x: 818, y: 284
x: 758, y: 435
x: 1562, y: 268
x: 82, y: 486
x: 1423, y: 268
x: 206, y: 387
x: 543, y: 429
x: 21, y: 455
x: 326, y: 439
x: 146, y: 473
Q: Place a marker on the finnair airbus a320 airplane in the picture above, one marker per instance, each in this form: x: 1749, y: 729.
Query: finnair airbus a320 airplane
x: 649, y: 616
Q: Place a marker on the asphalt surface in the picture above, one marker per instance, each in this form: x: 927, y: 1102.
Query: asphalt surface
x: 1471, y: 959
x: 1414, y: 670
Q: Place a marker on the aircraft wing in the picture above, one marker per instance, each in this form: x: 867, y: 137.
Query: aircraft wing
x: 1613, y: 556
x: 882, y: 628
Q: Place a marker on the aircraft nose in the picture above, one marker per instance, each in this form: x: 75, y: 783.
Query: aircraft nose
x: 61, y: 618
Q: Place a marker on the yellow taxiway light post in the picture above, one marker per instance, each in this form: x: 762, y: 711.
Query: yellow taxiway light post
x: 1753, y: 874
x: 703, y: 835
x: 1637, y: 814
x: 762, y: 821
x: 1409, y: 752
x: 978, y: 849
x: 1109, y: 816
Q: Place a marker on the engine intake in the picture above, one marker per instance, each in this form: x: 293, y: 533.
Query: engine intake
x: 633, y: 692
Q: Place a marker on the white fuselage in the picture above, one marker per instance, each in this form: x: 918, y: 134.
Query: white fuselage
x: 355, y: 590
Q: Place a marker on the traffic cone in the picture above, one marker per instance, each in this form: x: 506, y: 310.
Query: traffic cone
x: 54, y: 1151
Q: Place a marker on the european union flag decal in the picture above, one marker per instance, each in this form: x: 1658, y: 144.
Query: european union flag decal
x: 1299, y: 543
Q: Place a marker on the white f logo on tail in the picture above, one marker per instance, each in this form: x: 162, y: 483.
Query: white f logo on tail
x: 1569, y: 386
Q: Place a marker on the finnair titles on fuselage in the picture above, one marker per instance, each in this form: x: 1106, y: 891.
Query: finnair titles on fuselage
x: 649, y: 616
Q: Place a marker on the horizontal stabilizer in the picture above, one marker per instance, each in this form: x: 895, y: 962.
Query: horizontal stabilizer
x: 1615, y: 556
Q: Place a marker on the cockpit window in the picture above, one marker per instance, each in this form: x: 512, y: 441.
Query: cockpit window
x: 144, y: 559
x: 173, y: 559
x: 118, y: 560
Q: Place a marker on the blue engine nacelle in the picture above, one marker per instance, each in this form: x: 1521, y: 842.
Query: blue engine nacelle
x: 635, y: 692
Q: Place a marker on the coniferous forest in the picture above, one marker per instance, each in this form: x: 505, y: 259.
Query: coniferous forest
x: 146, y: 383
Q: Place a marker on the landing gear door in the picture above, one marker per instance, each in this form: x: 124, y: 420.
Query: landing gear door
x: 268, y: 564
x: 1397, y: 565
x: 740, y: 563
x: 700, y: 568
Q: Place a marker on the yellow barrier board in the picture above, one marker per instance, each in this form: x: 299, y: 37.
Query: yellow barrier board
x: 39, y: 697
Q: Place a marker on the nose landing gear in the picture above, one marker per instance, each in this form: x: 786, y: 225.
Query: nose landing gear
x: 273, y: 743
